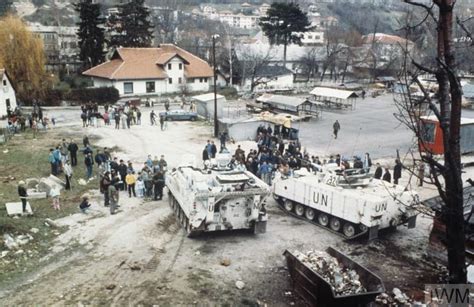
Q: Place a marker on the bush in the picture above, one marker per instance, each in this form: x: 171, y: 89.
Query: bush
x: 53, y: 97
x: 101, y: 95
x: 228, y: 92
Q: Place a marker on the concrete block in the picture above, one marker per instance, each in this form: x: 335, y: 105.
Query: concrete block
x: 57, y: 180
x: 34, y: 194
x: 17, y: 209
x: 31, y: 183
x: 46, y: 184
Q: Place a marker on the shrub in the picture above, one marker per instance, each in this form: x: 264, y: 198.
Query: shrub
x: 101, y: 95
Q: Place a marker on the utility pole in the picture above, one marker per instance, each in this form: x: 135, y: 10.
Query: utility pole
x: 216, y: 128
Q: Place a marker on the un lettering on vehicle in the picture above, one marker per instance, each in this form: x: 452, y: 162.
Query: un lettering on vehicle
x: 320, y: 198
x: 381, y: 207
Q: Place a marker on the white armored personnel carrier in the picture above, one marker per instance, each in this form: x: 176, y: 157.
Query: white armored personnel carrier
x: 216, y: 199
x: 349, y: 203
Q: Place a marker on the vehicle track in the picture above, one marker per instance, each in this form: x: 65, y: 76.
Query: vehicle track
x: 359, y: 235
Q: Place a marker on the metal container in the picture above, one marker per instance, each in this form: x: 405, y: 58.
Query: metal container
x: 315, y: 291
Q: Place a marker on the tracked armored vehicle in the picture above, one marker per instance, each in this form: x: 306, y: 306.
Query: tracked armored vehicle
x: 217, y: 199
x: 348, y: 203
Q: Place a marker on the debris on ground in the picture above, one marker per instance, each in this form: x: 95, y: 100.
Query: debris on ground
x: 49, y: 222
x: 34, y: 230
x: 343, y: 281
x: 396, y: 299
x: 225, y: 262
x: 239, y: 284
x: 110, y: 287
x: 81, y: 182
x: 135, y: 267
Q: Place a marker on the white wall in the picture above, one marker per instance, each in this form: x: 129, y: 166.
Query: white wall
x: 280, y: 82
x: 6, y: 92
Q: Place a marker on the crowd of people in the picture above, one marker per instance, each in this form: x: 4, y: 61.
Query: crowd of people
x: 18, y: 121
x: 276, y: 154
x: 123, y: 117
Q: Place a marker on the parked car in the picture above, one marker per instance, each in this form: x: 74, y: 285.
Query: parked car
x: 179, y: 115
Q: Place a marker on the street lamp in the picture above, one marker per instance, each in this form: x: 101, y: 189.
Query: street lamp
x: 214, y: 37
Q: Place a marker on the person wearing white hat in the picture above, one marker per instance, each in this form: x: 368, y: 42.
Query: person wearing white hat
x: 23, y: 194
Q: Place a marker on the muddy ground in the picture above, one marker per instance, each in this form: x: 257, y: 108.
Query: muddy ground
x: 142, y: 256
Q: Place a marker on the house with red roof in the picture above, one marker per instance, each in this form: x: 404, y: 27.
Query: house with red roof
x: 152, y: 71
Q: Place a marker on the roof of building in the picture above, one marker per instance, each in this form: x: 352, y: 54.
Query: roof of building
x: 282, y: 100
x: 383, y: 38
x: 333, y: 93
x: 272, y: 71
x: 147, y: 63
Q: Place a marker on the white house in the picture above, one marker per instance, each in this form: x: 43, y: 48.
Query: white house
x: 7, y: 94
x: 152, y: 71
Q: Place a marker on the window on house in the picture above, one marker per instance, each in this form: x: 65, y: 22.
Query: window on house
x: 180, y: 80
x: 200, y: 80
x: 317, y: 37
x: 4, y: 82
x: 7, y: 101
x: 191, y: 80
x: 310, y: 37
x: 169, y: 66
x: 205, y: 80
x: 150, y: 87
x: 170, y: 80
x: 180, y: 66
x: 128, y: 87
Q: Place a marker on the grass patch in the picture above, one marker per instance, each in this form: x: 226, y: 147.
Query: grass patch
x: 26, y: 158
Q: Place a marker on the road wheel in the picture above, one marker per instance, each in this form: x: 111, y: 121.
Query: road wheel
x: 335, y: 224
x: 323, y: 219
x: 309, y: 214
x: 193, y: 119
x: 299, y: 209
x: 363, y: 228
x: 348, y: 229
x: 288, y: 205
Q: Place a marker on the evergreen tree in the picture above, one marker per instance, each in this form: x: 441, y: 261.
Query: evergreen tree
x: 90, y: 33
x: 281, y: 23
x: 5, y: 7
x: 132, y: 27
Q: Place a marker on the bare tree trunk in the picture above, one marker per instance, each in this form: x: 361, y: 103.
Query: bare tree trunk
x: 449, y: 86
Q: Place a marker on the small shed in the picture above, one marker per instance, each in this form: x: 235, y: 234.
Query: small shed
x: 290, y: 104
x: 432, y: 135
x: 334, y: 98
x: 205, y: 105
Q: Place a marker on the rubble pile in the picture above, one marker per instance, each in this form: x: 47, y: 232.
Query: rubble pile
x: 397, y: 298
x: 343, y: 281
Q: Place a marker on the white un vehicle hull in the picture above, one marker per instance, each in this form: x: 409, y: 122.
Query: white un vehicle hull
x: 206, y: 201
x: 350, y: 210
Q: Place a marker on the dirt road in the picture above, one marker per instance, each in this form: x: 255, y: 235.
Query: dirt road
x: 142, y: 256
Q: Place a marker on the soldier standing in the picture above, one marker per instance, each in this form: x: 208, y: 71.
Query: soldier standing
x: 336, y: 127
x: 158, y: 185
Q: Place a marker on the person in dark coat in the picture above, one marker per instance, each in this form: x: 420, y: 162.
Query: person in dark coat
x: 205, y: 154
x: 23, y: 194
x: 213, y: 149
x: 158, y: 185
x: 73, y: 148
x: 397, y: 171
x: 387, y: 176
x: 122, y: 170
x: 378, y: 171
x: 104, y: 187
x: 85, y: 141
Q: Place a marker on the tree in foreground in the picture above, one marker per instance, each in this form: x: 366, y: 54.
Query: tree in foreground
x: 445, y: 174
x: 282, y: 23
x: 22, y: 55
x: 90, y: 33
x: 132, y: 26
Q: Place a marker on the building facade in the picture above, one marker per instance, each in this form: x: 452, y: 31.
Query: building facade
x: 7, y: 94
x: 152, y: 72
